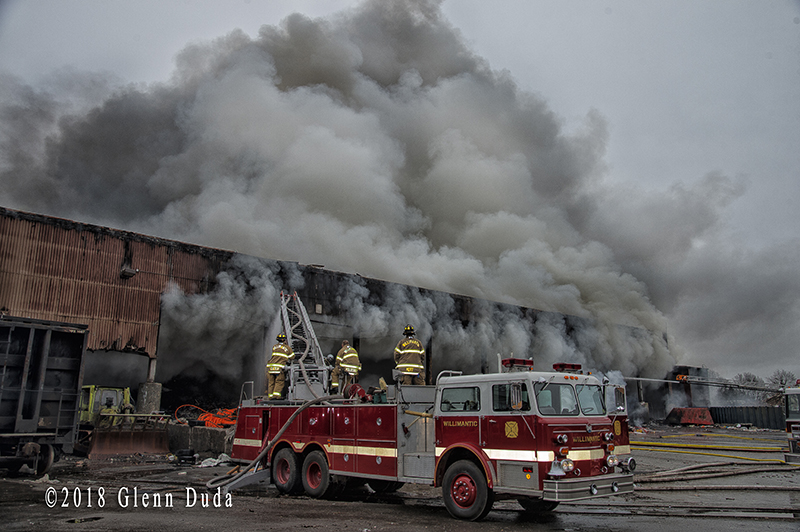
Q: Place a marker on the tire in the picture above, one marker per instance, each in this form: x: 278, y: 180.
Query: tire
x: 465, y: 491
x: 286, y: 472
x: 384, y: 486
x: 47, y: 456
x: 316, y: 476
x: 536, y: 506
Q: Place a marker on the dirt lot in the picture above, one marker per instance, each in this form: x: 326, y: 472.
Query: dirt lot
x: 714, y: 478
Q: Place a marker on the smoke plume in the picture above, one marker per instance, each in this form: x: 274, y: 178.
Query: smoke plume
x: 376, y: 142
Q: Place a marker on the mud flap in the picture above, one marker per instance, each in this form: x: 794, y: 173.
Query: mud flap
x: 144, y: 434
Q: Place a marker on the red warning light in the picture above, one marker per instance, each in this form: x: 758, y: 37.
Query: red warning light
x: 563, y: 367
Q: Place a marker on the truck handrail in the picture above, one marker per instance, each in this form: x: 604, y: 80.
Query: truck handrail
x: 448, y: 373
x: 243, y: 394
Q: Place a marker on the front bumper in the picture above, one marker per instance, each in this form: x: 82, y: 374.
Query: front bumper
x: 575, y: 489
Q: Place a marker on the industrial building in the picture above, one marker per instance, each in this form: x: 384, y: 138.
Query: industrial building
x: 199, y: 320
x: 114, y: 281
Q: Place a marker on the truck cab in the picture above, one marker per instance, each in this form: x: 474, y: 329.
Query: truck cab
x: 94, y: 398
x: 542, y: 437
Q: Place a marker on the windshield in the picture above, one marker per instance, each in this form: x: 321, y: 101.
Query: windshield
x: 556, y: 399
x: 590, y: 398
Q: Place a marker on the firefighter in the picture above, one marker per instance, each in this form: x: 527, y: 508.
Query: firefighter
x: 345, y: 371
x: 276, y: 367
x: 408, y: 357
x: 105, y: 421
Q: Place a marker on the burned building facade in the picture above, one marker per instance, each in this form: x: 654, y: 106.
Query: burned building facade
x: 203, y: 318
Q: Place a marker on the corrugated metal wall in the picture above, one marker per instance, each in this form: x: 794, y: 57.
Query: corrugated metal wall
x: 55, y: 269
x: 765, y: 417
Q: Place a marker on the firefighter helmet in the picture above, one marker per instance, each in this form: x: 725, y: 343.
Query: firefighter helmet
x: 281, y: 338
x: 408, y: 331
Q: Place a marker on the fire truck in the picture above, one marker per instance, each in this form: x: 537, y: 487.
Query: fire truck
x: 792, y: 410
x: 538, y: 437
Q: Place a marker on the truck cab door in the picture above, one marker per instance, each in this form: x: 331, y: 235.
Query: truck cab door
x: 459, y: 418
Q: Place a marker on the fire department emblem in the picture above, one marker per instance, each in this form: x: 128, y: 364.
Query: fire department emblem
x: 512, y: 429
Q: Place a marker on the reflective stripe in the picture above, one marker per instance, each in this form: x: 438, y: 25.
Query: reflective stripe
x: 361, y: 450
x: 622, y: 449
x: 586, y: 454
x: 519, y: 456
x: 536, y: 456
x: 511, y: 454
x: 410, y: 367
x: 404, y: 351
x: 247, y: 443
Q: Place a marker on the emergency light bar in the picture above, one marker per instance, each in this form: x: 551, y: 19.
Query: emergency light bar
x: 511, y: 363
x: 563, y: 367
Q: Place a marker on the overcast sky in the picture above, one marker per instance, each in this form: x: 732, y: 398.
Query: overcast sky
x: 686, y: 89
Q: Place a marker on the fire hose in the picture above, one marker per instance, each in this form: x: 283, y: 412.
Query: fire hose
x: 773, y: 460
x: 221, y: 481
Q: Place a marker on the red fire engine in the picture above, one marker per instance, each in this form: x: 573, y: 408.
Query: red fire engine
x: 537, y: 437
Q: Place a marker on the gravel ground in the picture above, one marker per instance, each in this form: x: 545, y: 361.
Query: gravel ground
x: 723, y: 488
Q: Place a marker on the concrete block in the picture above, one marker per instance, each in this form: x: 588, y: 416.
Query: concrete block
x: 149, y: 399
x: 207, y: 440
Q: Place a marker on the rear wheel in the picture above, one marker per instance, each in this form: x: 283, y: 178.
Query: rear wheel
x: 286, y: 472
x: 465, y: 491
x: 316, y: 475
x: 46, y: 458
x: 536, y: 506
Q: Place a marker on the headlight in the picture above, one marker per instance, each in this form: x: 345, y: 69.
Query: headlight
x: 562, y: 439
x: 567, y: 465
x: 612, y: 460
x: 608, y: 436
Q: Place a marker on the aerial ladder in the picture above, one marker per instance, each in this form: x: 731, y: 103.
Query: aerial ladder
x: 307, y: 371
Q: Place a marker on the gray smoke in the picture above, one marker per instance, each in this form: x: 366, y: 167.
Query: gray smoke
x: 375, y: 142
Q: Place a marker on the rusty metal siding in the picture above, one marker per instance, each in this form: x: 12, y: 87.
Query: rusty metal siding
x: 55, y: 269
